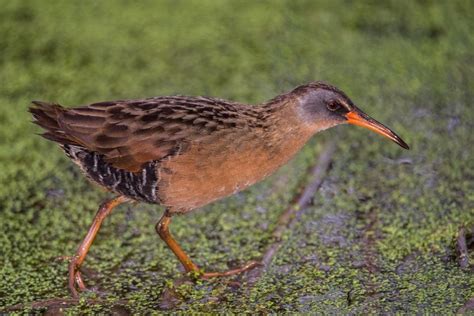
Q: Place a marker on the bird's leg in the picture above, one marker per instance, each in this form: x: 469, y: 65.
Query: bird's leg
x: 81, y: 253
x: 163, y: 230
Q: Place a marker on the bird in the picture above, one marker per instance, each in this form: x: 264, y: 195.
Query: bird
x: 184, y: 152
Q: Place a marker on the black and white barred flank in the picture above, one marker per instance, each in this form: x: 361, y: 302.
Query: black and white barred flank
x: 140, y: 186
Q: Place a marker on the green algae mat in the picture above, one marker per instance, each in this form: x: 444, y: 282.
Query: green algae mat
x: 388, y: 231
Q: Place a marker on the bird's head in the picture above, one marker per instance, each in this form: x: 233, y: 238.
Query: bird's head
x: 322, y: 106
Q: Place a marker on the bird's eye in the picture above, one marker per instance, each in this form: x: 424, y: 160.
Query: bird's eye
x: 333, y: 106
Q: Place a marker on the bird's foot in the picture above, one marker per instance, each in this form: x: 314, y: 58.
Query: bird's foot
x: 75, y: 278
x: 249, y: 266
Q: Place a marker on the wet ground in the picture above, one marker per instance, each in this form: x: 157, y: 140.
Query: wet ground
x: 386, y: 230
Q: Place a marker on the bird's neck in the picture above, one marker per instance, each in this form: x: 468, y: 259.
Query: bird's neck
x: 285, y: 132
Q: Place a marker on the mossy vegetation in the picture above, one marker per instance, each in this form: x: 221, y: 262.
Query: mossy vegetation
x: 380, y: 235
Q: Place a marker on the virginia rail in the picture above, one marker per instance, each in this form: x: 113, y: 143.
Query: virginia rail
x: 185, y: 152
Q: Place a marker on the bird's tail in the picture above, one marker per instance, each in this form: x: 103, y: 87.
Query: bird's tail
x: 47, y: 116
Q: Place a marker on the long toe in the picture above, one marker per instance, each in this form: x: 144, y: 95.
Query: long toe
x: 249, y: 266
x: 80, y: 283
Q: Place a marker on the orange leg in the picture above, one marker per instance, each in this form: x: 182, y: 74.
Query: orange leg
x: 189, y: 265
x: 75, y: 277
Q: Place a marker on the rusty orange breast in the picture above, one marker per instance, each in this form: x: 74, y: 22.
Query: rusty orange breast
x: 224, y: 164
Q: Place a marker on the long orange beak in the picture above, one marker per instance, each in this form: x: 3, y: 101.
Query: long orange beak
x: 357, y: 117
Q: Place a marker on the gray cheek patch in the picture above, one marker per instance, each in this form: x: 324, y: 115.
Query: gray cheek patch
x: 312, y: 106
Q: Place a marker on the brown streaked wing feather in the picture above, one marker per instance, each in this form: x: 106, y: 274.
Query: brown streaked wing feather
x: 116, y: 130
x: 131, y: 133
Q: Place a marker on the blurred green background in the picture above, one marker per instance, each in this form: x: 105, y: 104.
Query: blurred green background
x: 380, y: 235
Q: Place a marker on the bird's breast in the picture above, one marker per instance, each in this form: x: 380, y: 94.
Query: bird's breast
x: 221, y: 166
